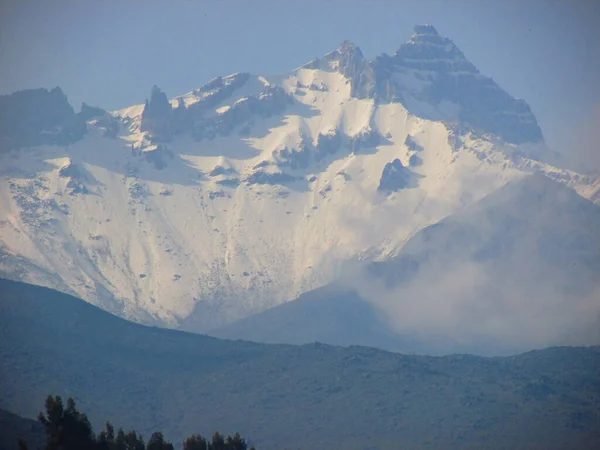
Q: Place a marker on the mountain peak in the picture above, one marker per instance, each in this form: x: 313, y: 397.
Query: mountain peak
x: 347, y: 54
x: 425, y: 29
x: 348, y: 47
x: 427, y: 50
x: 432, y: 69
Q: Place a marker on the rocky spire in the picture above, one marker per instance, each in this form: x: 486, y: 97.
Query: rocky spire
x: 350, y: 62
x: 425, y: 29
x: 157, y: 115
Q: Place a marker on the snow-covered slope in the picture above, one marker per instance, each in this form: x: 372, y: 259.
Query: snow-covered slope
x: 250, y: 190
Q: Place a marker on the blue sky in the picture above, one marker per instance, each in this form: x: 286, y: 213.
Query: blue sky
x: 110, y: 53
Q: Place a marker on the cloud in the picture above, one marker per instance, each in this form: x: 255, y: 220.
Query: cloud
x: 517, y: 272
x: 471, y: 307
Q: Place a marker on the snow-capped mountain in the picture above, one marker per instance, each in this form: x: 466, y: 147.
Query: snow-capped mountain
x: 251, y: 190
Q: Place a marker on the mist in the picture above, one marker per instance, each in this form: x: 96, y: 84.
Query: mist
x: 514, y: 272
x: 467, y: 308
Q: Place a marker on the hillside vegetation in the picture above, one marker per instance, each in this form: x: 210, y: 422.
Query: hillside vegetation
x: 316, y: 396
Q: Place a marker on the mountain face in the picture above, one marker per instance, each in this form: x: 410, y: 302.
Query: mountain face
x: 243, y: 194
x: 430, y: 69
x: 314, y: 396
x: 517, y: 269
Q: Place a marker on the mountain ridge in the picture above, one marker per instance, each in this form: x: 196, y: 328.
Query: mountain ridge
x: 151, y: 378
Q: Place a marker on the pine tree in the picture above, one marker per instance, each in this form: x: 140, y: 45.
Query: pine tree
x: 157, y: 442
x: 66, y: 428
x: 106, y: 438
x: 133, y: 441
x: 236, y: 442
x: 195, y: 442
x: 69, y: 429
x: 218, y: 442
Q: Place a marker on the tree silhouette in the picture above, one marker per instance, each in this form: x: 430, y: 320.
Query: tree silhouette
x: 69, y: 429
x: 66, y: 428
x: 157, y: 442
x: 195, y: 442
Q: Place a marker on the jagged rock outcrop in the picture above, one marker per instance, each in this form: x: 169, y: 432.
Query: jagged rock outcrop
x: 196, y: 112
x: 411, y: 144
x: 349, y: 61
x: 220, y: 170
x: 100, y: 118
x: 262, y: 177
x: 77, y: 178
x: 366, y: 138
x: 229, y: 182
x: 157, y: 116
x: 38, y: 117
x: 394, y: 177
x: 295, y: 158
x: 272, y: 100
x: 159, y: 156
x: 414, y: 160
x: 88, y: 112
x: 327, y: 144
x: 216, y: 91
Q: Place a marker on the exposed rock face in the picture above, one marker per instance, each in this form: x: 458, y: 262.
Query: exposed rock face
x: 429, y: 68
x: 349, y: 61
x: 366, y: 138
x: 91, y: 112
x: 394, y: 177
x: 354, y: 67
x: 272, y: 100
x: 110, y: 124
x: 414, y: 160
x: 432, y: 69
x: 157, y: 116
x: 199, y: 117
x: 220, y: 170
x: 69, y: 171
x: 261, y: 177
x: 327, y: 144
x: 295, y: 158
x: 216, y: 91
x: 229, y: 182
x: 299, y: 157
x: 77, y: 177
x: 427, y: 50
x: 159, y: 157
x: 411, y: 144
x: 38, y: 117
x: 101, y: 119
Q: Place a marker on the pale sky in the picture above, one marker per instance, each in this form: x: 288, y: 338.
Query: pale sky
x: 110, y: 53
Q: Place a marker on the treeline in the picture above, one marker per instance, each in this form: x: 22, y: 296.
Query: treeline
x: 70, y: 429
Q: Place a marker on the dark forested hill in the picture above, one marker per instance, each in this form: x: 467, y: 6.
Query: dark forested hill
x: 314, y: 395
x: 13, y: 428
